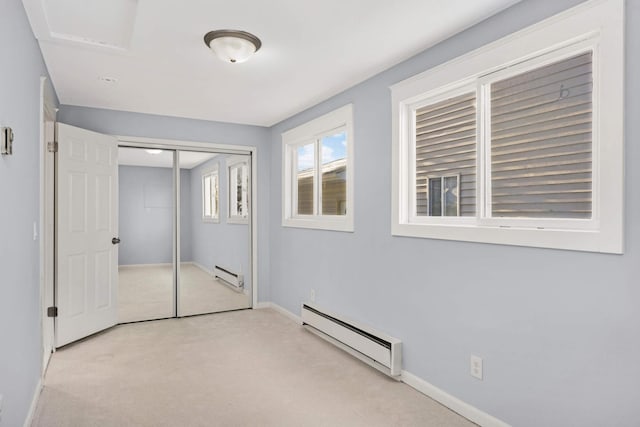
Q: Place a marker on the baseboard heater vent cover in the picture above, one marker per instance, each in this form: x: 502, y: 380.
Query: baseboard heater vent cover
x: 234, y: 280
x: 372, y: 347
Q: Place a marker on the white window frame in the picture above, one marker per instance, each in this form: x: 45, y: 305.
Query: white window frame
x: 214, y: 175
x: 596, y: 26
x: 232, y: 164
x: 438, y: 95
x: 312, y: 132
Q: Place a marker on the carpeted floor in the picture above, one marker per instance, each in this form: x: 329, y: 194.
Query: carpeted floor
x: 146, y: 293
x: 242, y: 368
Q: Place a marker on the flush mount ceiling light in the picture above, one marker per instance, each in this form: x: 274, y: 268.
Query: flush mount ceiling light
x: 232, y: 45
x: 153, y: 151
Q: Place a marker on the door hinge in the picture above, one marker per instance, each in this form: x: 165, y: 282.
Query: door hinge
x: 52, y: 311
x: 52, y: 147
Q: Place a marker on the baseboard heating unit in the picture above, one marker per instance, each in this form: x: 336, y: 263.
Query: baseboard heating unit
x: 372, y: 347
x: 234, y: 280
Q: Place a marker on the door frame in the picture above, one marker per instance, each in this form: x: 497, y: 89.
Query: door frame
x: 211, y: 147
x: 48, y: 111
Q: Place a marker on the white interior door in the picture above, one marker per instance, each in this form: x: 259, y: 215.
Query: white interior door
x: 87, y: 221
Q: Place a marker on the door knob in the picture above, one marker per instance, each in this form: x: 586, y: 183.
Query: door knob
x: 115, y: 240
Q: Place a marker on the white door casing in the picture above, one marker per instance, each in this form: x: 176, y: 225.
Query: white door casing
x: 48, y: 241
x: 87, y: 221
x: 48, y: 112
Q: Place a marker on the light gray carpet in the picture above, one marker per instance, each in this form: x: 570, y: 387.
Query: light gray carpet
x: 243, y: 368
x: 201, y: 293
x: 146, y: 293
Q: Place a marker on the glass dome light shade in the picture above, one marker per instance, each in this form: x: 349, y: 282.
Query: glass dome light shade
x: 232, y: 46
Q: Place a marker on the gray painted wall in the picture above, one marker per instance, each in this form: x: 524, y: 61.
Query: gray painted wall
x: 146, y: 215
x: 221, y: 243
x: 146, y: 125
x: 21, y: 348
x: 558, y: 330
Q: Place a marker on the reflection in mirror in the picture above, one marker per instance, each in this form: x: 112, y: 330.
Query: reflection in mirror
x: 145, y: 253
x: 215, y: 250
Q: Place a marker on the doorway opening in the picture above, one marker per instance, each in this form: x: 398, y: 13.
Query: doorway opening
x: 203, y: 257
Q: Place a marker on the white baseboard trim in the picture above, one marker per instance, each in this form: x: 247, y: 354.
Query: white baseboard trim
x: 46, y: 358
x: 280, y: 310
x: 34, y: 404
x: 456, y: 405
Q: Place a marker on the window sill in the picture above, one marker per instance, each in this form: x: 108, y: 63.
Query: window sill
x: 602, y: 241
x: 329, y: 224
x: 237, y: 220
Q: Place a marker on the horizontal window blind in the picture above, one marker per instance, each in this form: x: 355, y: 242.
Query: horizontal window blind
x: 541, y: 142
x: 446, y: 146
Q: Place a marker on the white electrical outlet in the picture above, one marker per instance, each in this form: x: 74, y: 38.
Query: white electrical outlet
x: 312, y: 295
x: 476, y: 366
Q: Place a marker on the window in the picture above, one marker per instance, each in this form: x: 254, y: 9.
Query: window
x: 318, y: 169
x: 238, y: 168
x: 210, y: 196
x: 520, y: 142
x: 443, y: 196
x: 541, y: 141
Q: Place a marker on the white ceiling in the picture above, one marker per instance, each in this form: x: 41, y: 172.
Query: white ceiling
x: 149, y: 56
x: 140, y: 157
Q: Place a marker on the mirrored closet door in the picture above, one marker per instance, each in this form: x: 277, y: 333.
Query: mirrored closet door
x: 146, y: 272
x: 185, y: 233
x: 215, y: 241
